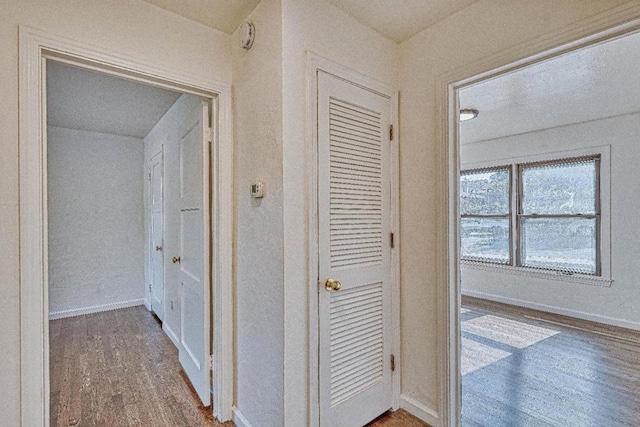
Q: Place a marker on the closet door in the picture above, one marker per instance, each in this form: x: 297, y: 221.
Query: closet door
x: 354, y: 253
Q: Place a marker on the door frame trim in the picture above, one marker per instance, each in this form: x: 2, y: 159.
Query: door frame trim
x: 608, y: 25
x: 315, y: 64
x: 35, y: 46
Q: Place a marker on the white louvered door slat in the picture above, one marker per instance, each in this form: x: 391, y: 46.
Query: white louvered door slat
x: 354, y: 225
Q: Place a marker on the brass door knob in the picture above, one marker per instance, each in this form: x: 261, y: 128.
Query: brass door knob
x: 175, y: 260
x: 332, y: 285
x: 158, y: 248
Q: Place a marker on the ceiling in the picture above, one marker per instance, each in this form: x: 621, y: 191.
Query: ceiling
x: 596, y: 82
x: 96, y: 102
x: 400, y: 19
x: 396, y: 19
x: 223, y: 15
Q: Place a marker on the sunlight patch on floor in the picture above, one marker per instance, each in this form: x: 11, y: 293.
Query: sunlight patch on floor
x: 476, y: 356
x: 506, y: 331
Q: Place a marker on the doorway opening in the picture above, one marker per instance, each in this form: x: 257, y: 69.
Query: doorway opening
x: 204, y: 215
x: 542, y: 255
x: 120, y: 237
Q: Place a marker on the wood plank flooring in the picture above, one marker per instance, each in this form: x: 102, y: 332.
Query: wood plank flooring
x: 118, y: 368
x: 399, y: 418
x: 528, y: 368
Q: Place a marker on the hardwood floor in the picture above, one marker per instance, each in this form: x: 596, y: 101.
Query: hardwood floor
x: 527, y: 368
x: 399, y: 418
x: 118, y: 368
x: 522, y: 368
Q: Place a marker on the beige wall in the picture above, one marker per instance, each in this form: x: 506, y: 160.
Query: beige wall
x: 259, y: 292
x: 128, y: 27
x: 486, y: 28
x: 322, y: 29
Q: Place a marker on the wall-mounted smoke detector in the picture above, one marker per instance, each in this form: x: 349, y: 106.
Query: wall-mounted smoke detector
x: 246, y: 35
x: 468, y: 114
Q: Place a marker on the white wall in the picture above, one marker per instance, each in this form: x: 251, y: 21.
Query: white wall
x: 259, y: 328
x: 166, y: 136
x: 95, y: 221
x: 129, y: 27
x: 317, y: 27
x: 486, y: 29
x: 617, y: 304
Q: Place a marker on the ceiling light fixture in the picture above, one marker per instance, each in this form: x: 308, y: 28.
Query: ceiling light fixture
x: 468, y: 114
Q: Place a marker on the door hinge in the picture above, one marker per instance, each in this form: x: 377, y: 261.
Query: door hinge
x: 150, y: 287
x: 393, y: 363
x: 392, y: 241
x: 390, y: 132
x: 209, y: 132
x: 149, y: 176
x: 211, y: 362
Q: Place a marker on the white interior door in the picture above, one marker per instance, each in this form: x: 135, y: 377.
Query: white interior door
x: 354, y: 251
x: 194, y: 271
x: 156, y: 232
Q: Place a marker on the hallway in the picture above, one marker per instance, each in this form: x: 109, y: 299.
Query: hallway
x: 118, y: 368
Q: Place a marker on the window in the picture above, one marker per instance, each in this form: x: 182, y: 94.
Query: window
x: 558, y: 215
x: 554, y: 223
x: 485, y: 206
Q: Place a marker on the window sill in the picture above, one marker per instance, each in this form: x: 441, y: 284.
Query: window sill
x: 539, y: 274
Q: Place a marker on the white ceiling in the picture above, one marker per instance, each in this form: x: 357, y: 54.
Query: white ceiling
x: 87, y: 100
x: 593, y: 83
x: 223, y: 15
x: 396, y: 19
x: 400, y: 19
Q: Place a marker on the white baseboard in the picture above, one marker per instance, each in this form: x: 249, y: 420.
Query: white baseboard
x: 172, y: 335
x: 239, y: 419
x: 61, y: 314
x: 420, y: 411
x: 555, y: 310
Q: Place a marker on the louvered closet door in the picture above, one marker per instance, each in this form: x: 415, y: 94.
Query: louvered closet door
x: 354, y: 227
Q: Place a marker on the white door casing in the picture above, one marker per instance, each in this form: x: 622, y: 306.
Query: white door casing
x: 354, y: 216
x: 194, y: 274
x: 34, y: 46
x: 156, y: 234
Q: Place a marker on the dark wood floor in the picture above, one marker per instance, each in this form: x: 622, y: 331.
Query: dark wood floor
x: 527, y: 368
x: 117, y: 368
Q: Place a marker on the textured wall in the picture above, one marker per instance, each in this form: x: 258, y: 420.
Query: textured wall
x: 259, y: 331
x: 490, y: 27
x: 95, y: 219
x: 617, y: 304
x: 128, y: 27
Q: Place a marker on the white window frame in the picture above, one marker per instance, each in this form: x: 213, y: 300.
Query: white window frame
x: 604, y: 278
